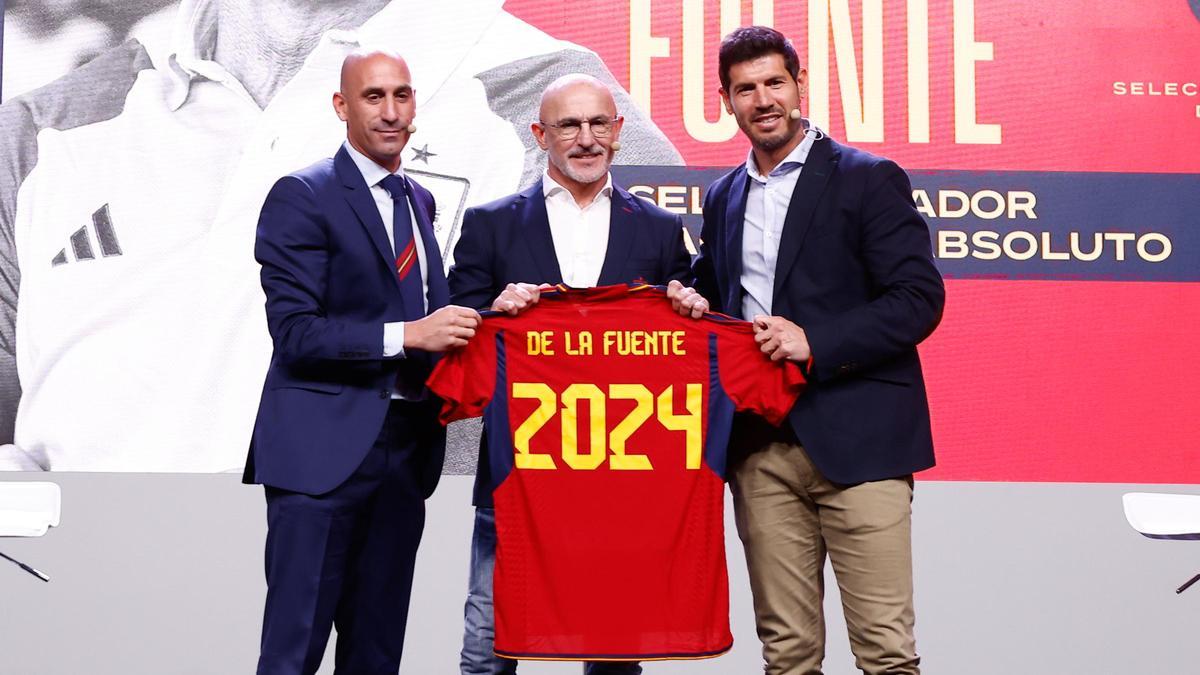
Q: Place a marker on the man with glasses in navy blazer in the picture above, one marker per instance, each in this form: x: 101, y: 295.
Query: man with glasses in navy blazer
x: 347, y: 443
x: 574, y: 227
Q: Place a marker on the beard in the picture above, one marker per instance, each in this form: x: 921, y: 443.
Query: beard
x: 773, y: 140
x: 563, y: 164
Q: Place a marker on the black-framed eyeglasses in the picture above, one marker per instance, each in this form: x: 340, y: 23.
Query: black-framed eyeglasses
x: 568, y: 129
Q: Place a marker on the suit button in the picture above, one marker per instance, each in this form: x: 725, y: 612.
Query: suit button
x: 385, y: 394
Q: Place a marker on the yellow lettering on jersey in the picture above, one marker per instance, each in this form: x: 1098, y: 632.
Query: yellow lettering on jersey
x: 643, y: 343
x: 597, y: 426
x: 599, y: 439
x: 537, y: 343
x: 689, y: 423
x: 643, y: 408
x: 581, y: 345
x: 547, y: 400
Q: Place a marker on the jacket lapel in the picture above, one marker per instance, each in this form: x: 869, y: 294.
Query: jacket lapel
x: 820, y: 165
x: 735, y: 218
x: 532, y: 211
x: 620, y: 237
x: 358, y: 195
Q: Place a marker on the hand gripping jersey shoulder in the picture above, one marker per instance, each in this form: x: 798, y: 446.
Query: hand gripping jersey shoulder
x: 608, y: 416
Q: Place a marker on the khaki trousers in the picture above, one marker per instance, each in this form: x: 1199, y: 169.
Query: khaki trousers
x: 788, y: 517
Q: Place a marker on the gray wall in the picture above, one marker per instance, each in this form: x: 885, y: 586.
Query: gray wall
x: 162, y: 574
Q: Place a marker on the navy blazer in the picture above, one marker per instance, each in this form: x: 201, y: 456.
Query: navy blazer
x: 856, y: 272
x: 509, y: 241
x: 329, y: 274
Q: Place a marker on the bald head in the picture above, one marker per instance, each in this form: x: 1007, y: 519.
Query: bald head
x: 358, y: 59
x: 568, y: 85
x: 377, y: 103
x: 577, y: 126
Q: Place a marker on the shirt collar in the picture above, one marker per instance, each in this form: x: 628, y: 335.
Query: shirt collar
x: 193, y: 39
x: 371, y: 172
x: 551, y: 187
x: 794, y: 160
x: 433, y: 53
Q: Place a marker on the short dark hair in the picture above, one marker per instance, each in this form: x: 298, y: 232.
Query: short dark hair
x: 749, y: 43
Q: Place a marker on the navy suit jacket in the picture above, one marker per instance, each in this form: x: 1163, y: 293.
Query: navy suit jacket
x: 329, y: 274
x: 509, y: 241
x: 856, y: 272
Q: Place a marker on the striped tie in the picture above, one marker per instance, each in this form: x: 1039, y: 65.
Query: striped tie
x: 408, y: 265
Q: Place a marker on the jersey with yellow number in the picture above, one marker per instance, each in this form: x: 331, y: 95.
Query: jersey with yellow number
x: 607, y: 418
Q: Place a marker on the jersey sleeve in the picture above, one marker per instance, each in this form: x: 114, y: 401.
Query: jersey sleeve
x: 752, y: 380
x: 465, y: 379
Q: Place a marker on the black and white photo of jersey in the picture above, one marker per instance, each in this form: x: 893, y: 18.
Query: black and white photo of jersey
x: 132, y: 334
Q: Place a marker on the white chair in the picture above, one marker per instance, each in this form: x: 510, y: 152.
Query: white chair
x: 1165, y: 516
x: 28, y: 509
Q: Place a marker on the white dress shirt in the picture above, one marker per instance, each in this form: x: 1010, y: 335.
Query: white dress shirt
x: 373, y: 174
x: 580, y: 234
x: 766, y: 207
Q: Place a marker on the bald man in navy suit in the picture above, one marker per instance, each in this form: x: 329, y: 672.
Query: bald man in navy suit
x: 574, y: 227
x: 347, y: 442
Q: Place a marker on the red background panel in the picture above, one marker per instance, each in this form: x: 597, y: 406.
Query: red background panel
x: 1049, y: 85
x: 1091, y: 381
x: 1066, y: 381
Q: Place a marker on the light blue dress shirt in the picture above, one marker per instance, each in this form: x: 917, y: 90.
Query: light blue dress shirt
x: 766, y: 206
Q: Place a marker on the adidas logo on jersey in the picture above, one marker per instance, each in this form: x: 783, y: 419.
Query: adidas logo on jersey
x: 81, y: 240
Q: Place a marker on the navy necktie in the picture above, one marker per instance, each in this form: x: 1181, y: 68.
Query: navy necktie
x: 408, y: 264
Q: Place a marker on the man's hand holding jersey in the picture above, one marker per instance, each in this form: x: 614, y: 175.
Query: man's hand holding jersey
x: 781, y: 339
x: 778, y: 337
x: 686, y: 300
x: 516, y: 298
x: 447, y: 328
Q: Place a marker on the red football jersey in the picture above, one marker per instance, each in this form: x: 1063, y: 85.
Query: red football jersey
x: 607, y: 419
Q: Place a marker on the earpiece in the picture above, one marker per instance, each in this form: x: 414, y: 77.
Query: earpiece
x: 615, y: 145
x: 794, y: 114
x: 411, y: 128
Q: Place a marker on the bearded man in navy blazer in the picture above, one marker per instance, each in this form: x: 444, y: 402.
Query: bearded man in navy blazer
x: 821, y: 246
x: 347, y: 442
x: 574, y: 227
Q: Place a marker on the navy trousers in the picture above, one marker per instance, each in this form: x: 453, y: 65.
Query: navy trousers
x: 345, y: 558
